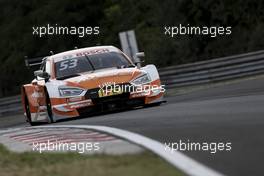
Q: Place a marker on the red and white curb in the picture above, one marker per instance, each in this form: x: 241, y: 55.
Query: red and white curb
x: 59, y: 139
x: 177, y: 159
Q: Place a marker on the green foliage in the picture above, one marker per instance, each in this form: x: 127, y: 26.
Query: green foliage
x: 147, y: 18
x: 71, y: 163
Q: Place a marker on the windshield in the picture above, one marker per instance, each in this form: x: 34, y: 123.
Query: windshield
x: 73, y: 66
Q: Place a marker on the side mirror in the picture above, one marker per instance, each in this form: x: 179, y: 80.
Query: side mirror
x: 139, y: 58
x: 41, y: 74
x: 140, y: 55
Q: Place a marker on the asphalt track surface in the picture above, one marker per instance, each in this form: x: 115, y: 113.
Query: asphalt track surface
x: 229, y: 113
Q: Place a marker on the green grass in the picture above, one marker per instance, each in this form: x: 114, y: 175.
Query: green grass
x: 73, y: 164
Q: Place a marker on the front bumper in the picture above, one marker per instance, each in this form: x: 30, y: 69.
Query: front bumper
x: 91, y: 103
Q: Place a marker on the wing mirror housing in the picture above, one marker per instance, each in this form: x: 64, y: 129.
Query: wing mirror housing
x: 139, y: 58
x: 41, y: 74
x: 140, y: 55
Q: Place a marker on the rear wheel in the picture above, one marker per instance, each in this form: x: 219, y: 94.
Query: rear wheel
x: 49, y: 109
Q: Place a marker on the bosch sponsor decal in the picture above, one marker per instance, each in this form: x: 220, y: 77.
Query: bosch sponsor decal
x: 95, y: 51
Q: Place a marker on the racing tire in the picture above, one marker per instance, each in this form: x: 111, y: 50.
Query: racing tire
x: 28, y: 113
x: 49, y: 109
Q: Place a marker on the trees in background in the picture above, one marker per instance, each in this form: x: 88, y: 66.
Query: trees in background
x: 148, y: 18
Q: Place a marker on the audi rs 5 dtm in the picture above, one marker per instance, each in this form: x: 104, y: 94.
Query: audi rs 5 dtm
x: 84, y: 81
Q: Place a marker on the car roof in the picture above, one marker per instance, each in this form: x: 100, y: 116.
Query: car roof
x: 83, y: 51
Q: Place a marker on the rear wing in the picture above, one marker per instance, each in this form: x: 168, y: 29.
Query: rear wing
x: 29, y: 62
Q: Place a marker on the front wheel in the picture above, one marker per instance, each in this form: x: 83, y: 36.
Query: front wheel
x: 49, y: 109
x: 28, y: 113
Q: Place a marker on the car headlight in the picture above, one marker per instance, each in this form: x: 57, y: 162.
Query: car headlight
x: 70, y: 91
x: 143, y: 79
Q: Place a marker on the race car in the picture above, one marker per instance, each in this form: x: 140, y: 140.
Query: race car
x: 84, y: 81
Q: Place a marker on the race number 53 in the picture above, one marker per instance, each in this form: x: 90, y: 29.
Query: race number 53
x: 71, y: 63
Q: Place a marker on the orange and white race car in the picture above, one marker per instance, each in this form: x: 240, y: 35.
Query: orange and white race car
x: 84, y: 81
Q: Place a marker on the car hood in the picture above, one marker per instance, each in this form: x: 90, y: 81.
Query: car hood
x: 102, y: 77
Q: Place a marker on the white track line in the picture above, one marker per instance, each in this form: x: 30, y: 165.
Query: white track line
x: 177, y: 159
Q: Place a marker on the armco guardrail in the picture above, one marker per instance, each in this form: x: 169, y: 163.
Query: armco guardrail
x: 209, y: 71
x: 214, y: 70
x: 10, y: 105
